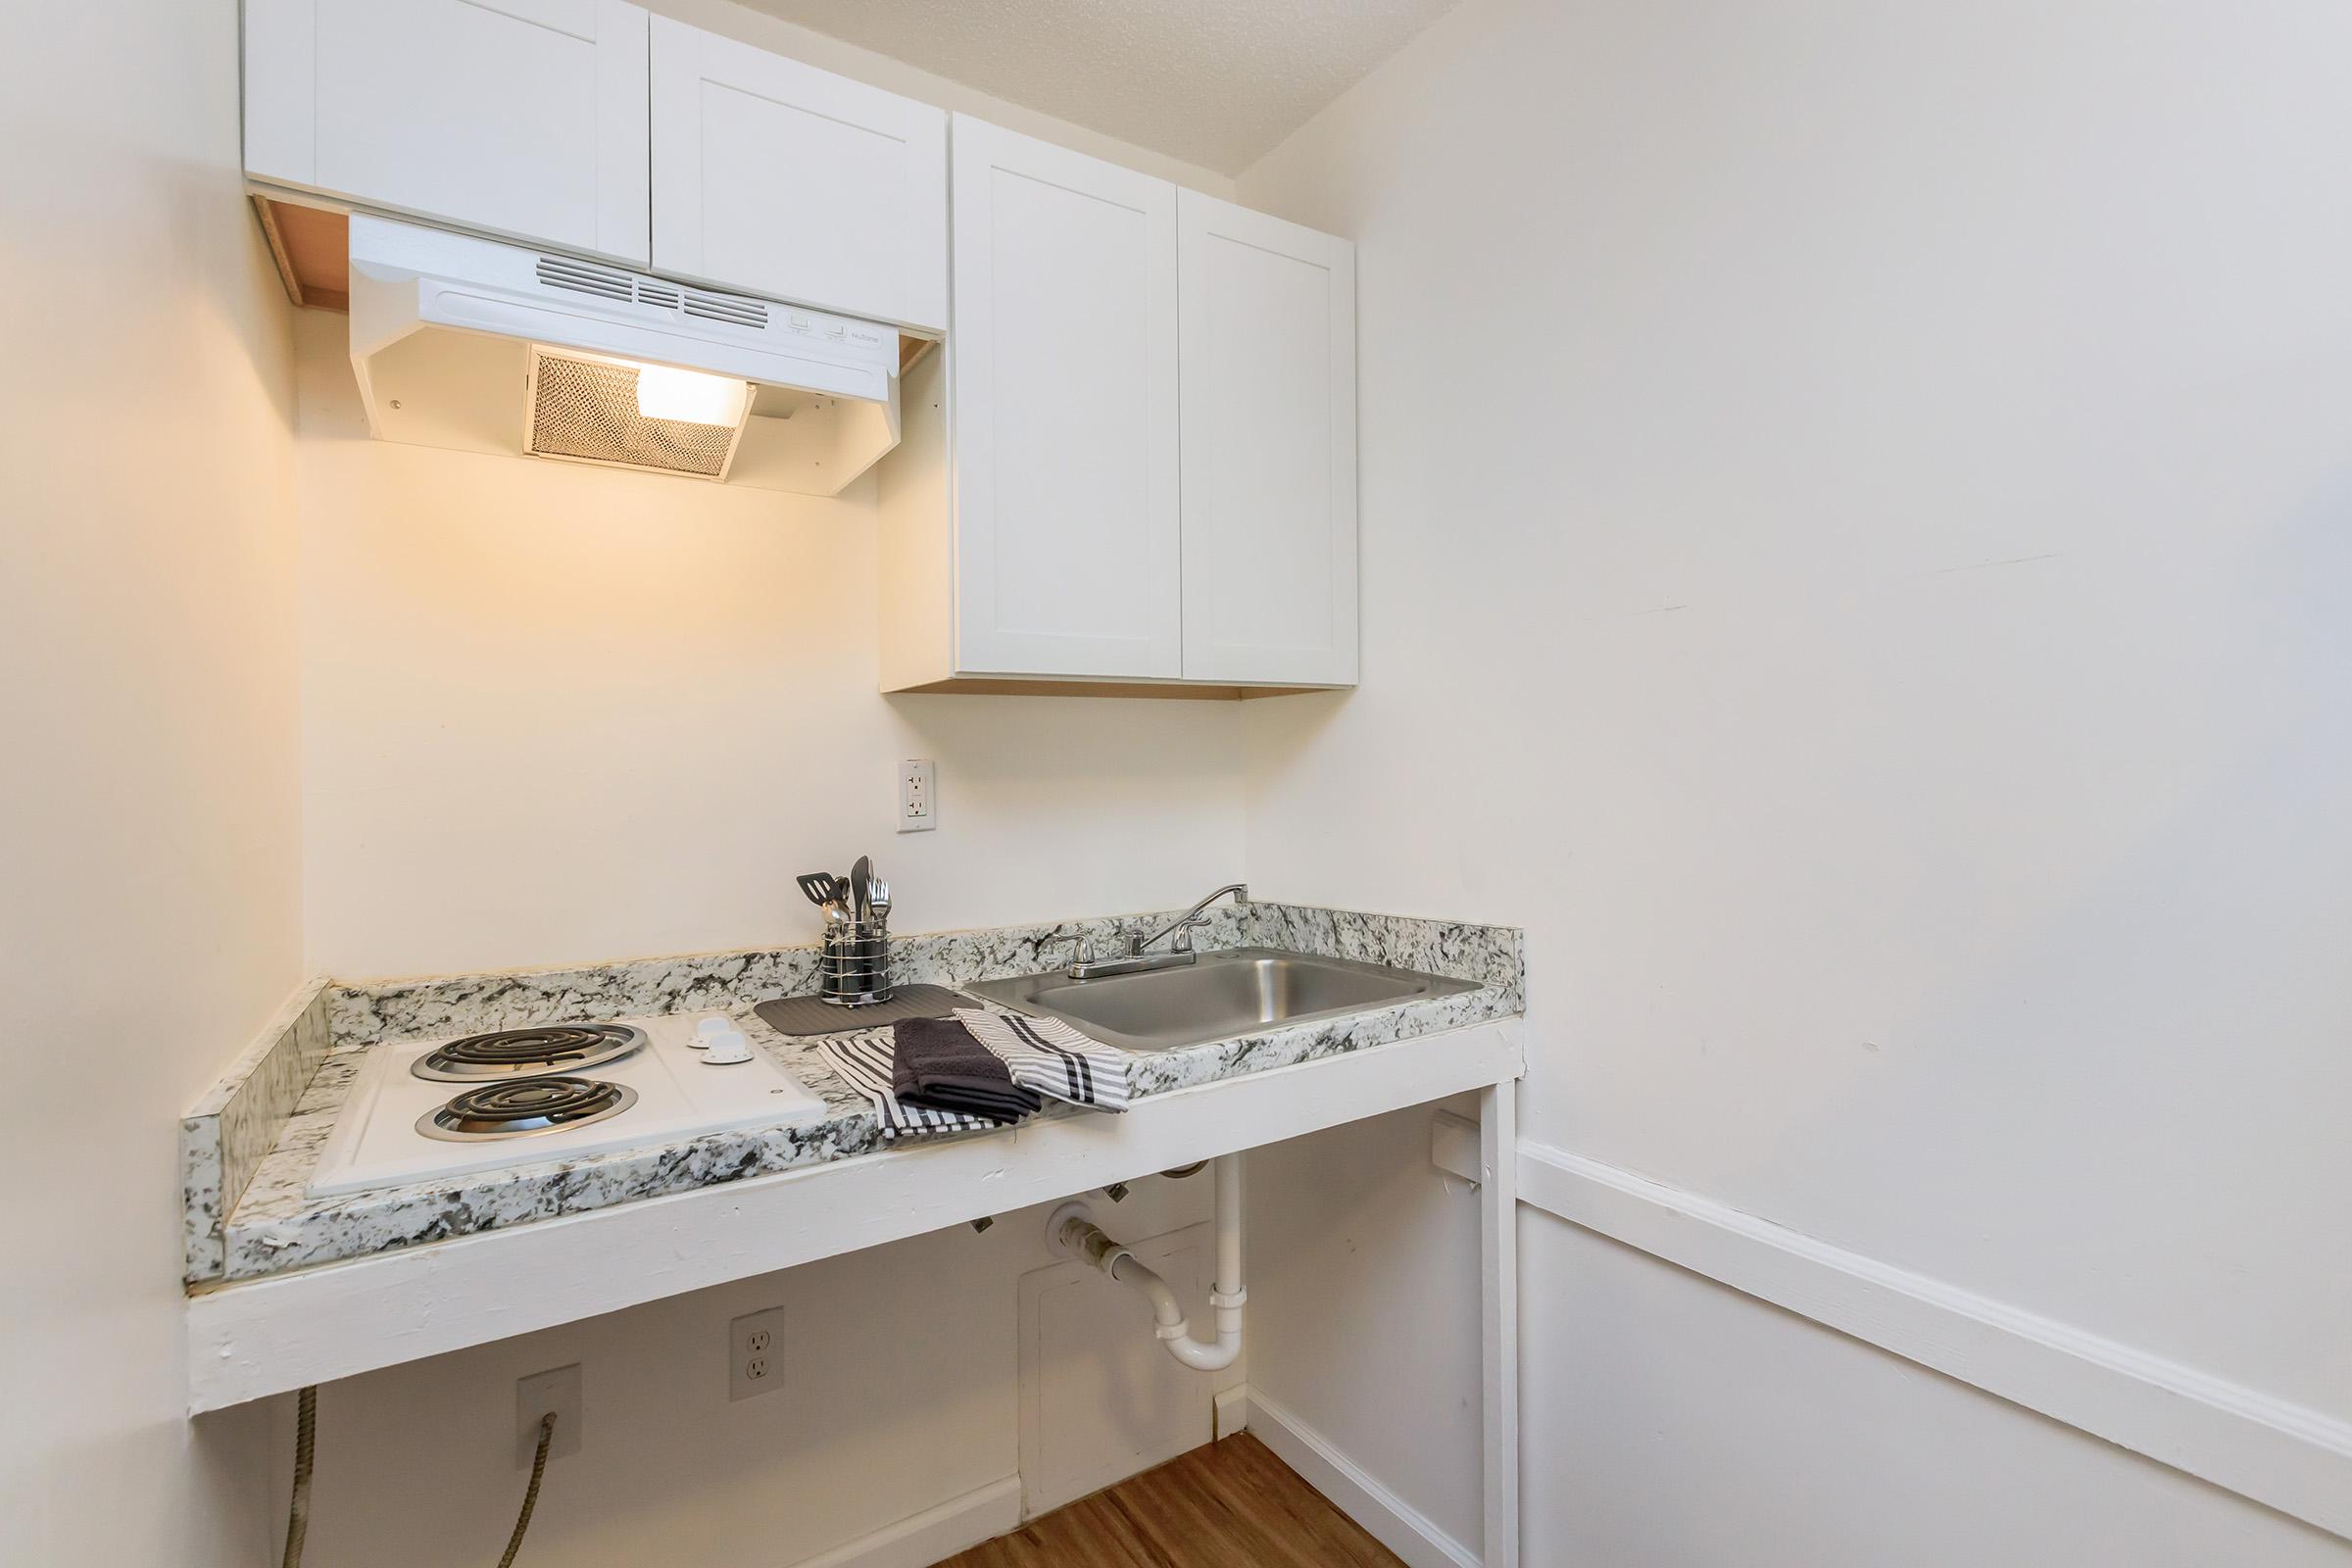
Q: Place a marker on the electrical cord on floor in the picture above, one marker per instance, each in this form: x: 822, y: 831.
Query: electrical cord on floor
x: 298, y: 1509
x: 530, y: 1494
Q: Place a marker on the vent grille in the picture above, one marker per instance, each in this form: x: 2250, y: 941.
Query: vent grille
x: 587, y: 408
x: 610, y: 283
x: 582, y: 278
x: 726, y: 307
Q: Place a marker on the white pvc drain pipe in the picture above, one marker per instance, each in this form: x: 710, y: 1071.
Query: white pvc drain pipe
x: 1072, y: 1229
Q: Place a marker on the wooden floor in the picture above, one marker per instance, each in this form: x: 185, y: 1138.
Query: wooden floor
x: 1230, y: 1505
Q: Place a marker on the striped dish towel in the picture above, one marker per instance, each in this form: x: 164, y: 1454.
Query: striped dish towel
x: 862, y: 1062
x: 1052, y: 1057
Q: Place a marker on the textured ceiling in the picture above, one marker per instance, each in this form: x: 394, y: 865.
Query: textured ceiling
x: 1214, y: 83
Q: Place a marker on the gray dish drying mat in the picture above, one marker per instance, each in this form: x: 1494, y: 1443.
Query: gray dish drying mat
x: 806, y: 1015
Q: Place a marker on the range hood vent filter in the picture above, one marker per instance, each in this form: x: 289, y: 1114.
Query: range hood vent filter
x: 585, y: 409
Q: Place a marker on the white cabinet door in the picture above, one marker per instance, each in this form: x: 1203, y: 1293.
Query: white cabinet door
x: 1267, y: 312
x: 779, y: 178
x: 520, y: 117
x: 1064, y: 355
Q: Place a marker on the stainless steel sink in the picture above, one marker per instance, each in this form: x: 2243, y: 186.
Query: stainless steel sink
x: 1218, y: 996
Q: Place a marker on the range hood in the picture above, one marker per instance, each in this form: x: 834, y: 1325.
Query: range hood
x: 488, y: 346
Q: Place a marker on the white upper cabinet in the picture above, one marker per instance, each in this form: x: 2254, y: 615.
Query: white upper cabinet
x: 1268, y: 311
x: 1140, y: 466
x: 1063, y: 360
x: 518, y: 116
x: 780, y: 178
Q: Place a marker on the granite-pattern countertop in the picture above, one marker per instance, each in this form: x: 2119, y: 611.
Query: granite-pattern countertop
x: 273, y: 1227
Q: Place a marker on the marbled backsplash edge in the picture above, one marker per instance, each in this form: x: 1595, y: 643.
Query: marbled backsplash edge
x: 365, y: 1012
x: 225, y: 1136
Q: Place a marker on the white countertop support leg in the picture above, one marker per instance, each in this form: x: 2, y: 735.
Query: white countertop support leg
x: 1498, y: 1317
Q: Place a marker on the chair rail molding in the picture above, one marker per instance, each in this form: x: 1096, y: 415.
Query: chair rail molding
x: 2284, y: 1455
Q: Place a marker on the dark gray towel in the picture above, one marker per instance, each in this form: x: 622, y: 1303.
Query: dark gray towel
x: 936, y: 1062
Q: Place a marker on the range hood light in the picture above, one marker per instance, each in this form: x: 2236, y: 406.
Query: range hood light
x: 664, y: 392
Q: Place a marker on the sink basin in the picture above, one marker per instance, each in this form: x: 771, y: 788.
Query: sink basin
x: 1216, y: 997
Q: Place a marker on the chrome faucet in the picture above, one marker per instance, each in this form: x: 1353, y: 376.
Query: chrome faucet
x: 1136, y: 960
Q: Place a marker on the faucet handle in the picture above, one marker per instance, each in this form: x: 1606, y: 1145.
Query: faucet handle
x: 1082, y: 947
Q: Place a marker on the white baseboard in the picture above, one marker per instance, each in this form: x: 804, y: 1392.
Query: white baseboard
x: 2284, y: 1456
x: 923, y: 1539
x: 1232, y: 1411
x: 1397, y: 1524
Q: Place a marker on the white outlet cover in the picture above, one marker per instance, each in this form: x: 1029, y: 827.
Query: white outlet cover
x: 743, y: 1335
x: 918, y: 795
x: 559, y: 1390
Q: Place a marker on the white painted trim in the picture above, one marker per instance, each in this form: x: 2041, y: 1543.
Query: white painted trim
x: 1397, y: 1524
x: 2284, y: 1456
x: 261, y: 1336
x: 1498, y: 1322
x: 1231, y: 1411
x: 922, y: 1538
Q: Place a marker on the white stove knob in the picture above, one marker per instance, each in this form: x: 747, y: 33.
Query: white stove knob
x: 724, y: 1049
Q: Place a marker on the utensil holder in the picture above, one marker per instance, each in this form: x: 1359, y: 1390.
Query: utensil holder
x: 852, y: 968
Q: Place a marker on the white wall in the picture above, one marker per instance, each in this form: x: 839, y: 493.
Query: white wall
x: 1363, y: 1271
x: 1866, y: 490
x: 899, y: 1393
x: 556, y: 714
x: 1692, y: 1427
x: 148, y: 809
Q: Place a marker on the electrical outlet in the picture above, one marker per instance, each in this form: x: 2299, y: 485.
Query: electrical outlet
x: 534, y: 1396
x: 918, y: 795
x: 756, y: 1354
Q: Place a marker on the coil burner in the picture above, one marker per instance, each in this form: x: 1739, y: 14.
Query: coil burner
x: 522, y: 1107
x: 562, y: 1048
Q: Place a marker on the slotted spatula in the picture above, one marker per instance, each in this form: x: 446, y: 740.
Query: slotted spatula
x: 822, y: 887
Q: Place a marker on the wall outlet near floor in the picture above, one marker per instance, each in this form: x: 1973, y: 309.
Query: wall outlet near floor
x: 756, y: 1354
x: 559, y: 1390
x: 918, y: 795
